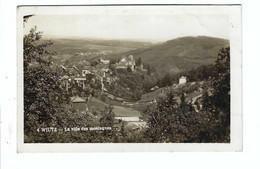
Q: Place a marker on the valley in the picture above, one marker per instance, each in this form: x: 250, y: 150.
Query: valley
x: 128, y: 77
x: 123, y: 90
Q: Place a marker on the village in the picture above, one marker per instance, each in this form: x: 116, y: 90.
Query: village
x: 87, y: 87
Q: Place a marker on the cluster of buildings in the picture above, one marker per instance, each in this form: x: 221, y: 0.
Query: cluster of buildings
x: 87, y: 73
x: 129, y: 61
x: 126, y: 62
x: 80, y: 76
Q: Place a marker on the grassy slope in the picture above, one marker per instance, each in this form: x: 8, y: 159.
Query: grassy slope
x: 99, y: 106
x: 126, y: 112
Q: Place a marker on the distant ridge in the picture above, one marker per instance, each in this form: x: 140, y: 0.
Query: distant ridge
x: 181, y: 54
x: 48, y: 36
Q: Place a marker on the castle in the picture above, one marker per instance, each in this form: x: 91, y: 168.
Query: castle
x: 126, y: 62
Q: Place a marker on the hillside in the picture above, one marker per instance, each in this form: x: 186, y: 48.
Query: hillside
x: 181, y: 54
x: 76, y: 49
x: 72, y: 46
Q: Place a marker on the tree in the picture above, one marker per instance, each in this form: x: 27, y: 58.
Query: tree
x: 160, y: 120
x: 218, y: 103
x: 111, y: 66
x: 34, y: 52
x: 94, y: 62
x: 159, y: 83
x: 129, y: 69
x: 221, y: 80
x: 183, y: 104
x: 148, y: 70
x: 166, y: 81
x: 107, y: 118
x: 170, y: 122
x: 122, y: 130
x: 139, y: 62
x: 42, y: 93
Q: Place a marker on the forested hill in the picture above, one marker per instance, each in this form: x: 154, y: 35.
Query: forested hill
x: 181, y: 54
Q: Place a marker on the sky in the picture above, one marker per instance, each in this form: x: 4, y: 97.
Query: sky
x: 157, y: 27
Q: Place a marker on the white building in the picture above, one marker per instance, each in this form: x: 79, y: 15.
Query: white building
x: 182, y: 80
x: 154, y: 88
x: 81, y: 81
x: 86, y: 72
x: 104, y: 61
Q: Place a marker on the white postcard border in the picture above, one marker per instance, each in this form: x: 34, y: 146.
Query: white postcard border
x: 234, y: 13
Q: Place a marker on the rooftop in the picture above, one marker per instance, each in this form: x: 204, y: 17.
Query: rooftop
x: 80, y: 78
x: 76, y: 99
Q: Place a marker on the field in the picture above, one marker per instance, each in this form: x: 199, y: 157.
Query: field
x: 123, y: 111
x: 76, y: 49
x: 96, y: 105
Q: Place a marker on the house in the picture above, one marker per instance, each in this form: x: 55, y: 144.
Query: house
x: 104, y: 61
x: 182, y: 80
x: 86, y: 72
x: 126, y: 114
x: 63, y: 67
x: 121, y: 65
x: 80, y: 81
x: 80, y: 53
x: 78, y: 103
x: 105, y: 70
x: 65, y: 83
x: 72, y: 71
x: 154, y: 88
x: 129, y: 104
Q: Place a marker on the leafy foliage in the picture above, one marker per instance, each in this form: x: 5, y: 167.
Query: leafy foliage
x: 41, y: 88
x: 219, y: 101
x: 172, y: 122
x: 107, y: 118
x: 139, y: 62
x: 201, y: 73
x: 34, y: 52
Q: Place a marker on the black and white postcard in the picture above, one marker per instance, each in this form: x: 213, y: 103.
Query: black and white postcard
x: 129, y: 78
